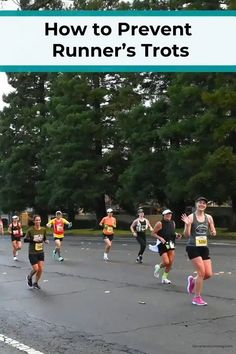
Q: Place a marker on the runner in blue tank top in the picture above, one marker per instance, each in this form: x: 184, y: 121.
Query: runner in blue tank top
x: 197, y: 227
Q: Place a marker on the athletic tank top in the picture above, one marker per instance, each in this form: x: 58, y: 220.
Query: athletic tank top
x: 16, y: 230
x: 168, y: 230
x: 58, y: 227
x: 199, y: 231
x: 141, y: 227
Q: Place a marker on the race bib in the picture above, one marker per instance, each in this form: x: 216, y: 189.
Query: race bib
x: 201, y: 241
x: 38, y: 246
x: 170, y: 245
x: 109, y: 229
x: 60, y: 228
x: 15, y: 232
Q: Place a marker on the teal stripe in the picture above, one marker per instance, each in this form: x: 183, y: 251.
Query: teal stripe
x: 120, y: 68
x: 121, y: 13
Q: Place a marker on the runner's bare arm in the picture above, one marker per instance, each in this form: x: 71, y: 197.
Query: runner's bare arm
x: 211, y: 224
x: 188, y: 220
x: 132, y: 227
x: 149, y: 225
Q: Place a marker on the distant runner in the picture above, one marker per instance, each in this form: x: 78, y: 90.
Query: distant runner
x: 1, y: 227
x: 36, y: 237
x: 58, y: 224
x: 108, y: 224
x: 16, y: 232
x: 197, y: 227
x: 138, y: 229
x: 164, y: 231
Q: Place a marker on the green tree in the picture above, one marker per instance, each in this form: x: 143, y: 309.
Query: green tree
x: 82, y: 141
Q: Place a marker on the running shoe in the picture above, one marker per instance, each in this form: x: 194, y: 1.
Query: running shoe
x: 165, y: 281
x: 139, y: 259
x: 36, y: 286
x: 191, y: 284
x: 105, y: 258
x: 157, y: 271
x: 60, y: 259
x: 54, y: 254
x: 29, y: 281
x: 15, y: 258
x: 197, y: 300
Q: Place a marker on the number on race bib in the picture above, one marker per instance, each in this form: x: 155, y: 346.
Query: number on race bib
x: 201, y: 241
x: 38, y: 246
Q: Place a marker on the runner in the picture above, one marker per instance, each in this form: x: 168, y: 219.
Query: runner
x: 1, y: 227
x: 58, y: 233
x: 108, y: 223
x: 164, y: 231
x: 138, y: 229
x: 36, y: 236
x: 16, y: 232
x: 197, y: 226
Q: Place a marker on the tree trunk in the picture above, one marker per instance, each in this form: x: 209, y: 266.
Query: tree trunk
x: 178, y: 209
x: 100, y: 208
x: 43, y: 214
x: 232, y: 226
x: 71, y: 215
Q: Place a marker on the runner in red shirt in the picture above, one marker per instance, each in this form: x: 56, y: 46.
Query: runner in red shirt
x: 16, y: 232
x: 58, y: 224
x: 1, y: 227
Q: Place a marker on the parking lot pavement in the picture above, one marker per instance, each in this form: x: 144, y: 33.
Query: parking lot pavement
x: 87, y: 305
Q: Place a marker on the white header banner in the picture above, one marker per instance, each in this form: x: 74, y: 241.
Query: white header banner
x: 117, y: 40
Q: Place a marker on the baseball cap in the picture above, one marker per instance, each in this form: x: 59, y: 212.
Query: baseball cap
x: 201, y: 198
x: 58, y: 212
x: 109, y: 210
x: 167, y: 211
x: 140, y: 210
x: 15, y: 217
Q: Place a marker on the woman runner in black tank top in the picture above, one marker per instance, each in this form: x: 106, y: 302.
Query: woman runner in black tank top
x: 164, y: 231
x: 138, y: 229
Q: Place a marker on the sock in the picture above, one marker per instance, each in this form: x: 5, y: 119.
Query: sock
x: 59, y: 252
x: 165, y: 275
x: 32, y: 273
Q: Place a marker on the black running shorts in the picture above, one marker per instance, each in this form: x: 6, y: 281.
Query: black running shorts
x: 164, y: 248
x: 194, y: 252
x: 14, y: 238
x: 35, y: 258
x: 109, y: 237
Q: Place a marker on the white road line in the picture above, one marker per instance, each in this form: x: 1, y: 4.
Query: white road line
x: 20, y: 346
x: 222, y: 244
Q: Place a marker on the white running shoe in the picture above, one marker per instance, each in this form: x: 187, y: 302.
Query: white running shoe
x: 60, y: 259
x: 165, y: 281
x: 15, y: 258
x: 105, y: 258
x: 157, y: 271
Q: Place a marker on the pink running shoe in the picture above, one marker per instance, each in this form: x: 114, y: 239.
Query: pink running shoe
x: 191, y: 284
x: 197, y: 300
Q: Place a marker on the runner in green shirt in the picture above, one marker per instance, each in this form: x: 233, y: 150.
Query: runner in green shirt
x: 36, y: 237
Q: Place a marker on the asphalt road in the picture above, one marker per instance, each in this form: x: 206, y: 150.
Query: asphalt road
x: 89, y: 306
